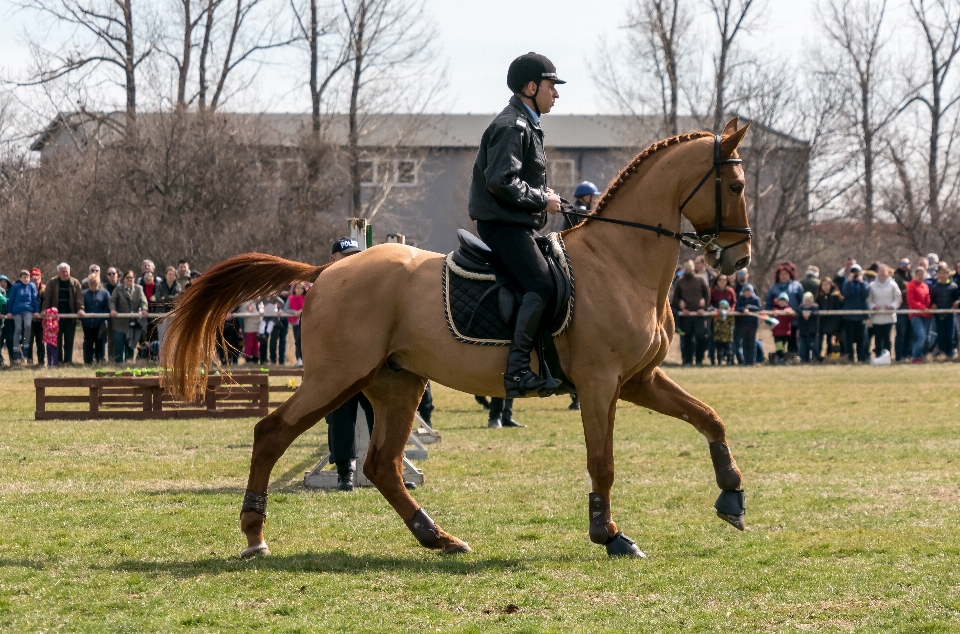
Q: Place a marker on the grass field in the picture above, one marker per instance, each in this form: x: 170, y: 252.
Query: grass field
x: 852, y: 483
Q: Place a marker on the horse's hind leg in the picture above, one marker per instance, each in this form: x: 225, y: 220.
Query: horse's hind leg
x: 395, y: 396
x: 313, y: 400
x: 659, y: 393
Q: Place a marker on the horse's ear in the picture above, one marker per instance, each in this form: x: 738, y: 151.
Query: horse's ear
x: 730, y: 143
x: 731, y: 126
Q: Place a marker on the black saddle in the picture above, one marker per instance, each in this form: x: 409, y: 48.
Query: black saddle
x: 481, y: 299
x: 476, y: 257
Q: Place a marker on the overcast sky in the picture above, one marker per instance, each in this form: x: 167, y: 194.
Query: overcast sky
x: 478, y: 38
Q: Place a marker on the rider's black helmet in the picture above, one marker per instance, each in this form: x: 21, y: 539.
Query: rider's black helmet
x: 530, y: 67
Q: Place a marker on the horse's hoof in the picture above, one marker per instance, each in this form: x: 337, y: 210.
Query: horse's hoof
x: 458, y: 548
x: 622, y: 546
x: 253, y: 551
x: 735, y: 520
x: 731, y: 506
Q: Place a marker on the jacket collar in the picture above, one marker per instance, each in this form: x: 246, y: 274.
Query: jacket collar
x: 525, y: 111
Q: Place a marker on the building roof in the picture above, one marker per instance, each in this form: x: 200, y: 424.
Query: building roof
x: 392, y: 130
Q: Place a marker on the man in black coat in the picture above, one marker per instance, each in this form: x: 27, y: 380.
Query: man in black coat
x: 509, y: 199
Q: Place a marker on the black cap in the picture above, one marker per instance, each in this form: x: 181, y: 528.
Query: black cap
x: 346, y: 246
x: 530, y: 67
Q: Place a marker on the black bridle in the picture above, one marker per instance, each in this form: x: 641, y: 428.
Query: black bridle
x: 700, y: 240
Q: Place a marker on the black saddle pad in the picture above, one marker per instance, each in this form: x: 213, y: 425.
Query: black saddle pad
x: 474, y: 300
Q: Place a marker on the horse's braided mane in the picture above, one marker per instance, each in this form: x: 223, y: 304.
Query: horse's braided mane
x: 638, y: 160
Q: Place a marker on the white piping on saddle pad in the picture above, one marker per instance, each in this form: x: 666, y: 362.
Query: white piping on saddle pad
x: 468, y: 274
x: 556, y: 246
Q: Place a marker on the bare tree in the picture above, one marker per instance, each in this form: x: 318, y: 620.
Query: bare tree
x: 792, y: 162
x: 732, y: 18
x: 234, y: 33
x: 861, y: 66
x: 939, y: 22
x: 653, y: 63
x: 389, y: 53
x: 109, y: 35
x: 328, y: 50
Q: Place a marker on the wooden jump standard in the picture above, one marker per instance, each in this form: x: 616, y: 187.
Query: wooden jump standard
x: 132, y: 397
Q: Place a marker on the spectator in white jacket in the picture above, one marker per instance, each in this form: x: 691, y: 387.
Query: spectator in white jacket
x: 884, y: 296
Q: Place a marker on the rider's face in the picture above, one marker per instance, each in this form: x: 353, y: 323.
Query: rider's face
x: 547, y: 96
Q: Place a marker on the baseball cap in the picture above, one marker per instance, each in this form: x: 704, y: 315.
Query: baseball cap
x: 855, y: 268
x: 35, y: 271
x: 741, y: 272
x: 784, y: 297
x: 346, y: 246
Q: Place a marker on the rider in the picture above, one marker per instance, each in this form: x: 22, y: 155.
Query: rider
x: 585, y: 199
x: 508, y: 198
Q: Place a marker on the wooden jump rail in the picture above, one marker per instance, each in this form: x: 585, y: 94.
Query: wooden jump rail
x: 141, y: 398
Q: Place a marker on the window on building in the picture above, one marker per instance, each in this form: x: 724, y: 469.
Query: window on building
x: 396, y: 172
x: 367, y: 172
x: 407, y: 172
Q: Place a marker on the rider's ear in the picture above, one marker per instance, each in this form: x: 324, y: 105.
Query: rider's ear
x: 730, y: 143
x: 731, y: 126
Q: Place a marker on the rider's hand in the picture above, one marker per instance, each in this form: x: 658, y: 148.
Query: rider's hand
x: 553, y: 201
x: 113, y: 313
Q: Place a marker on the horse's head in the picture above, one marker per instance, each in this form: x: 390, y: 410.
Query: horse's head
x: 716, y: 204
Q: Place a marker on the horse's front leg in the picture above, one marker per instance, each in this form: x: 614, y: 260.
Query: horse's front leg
x: 598, y: 408
x: 659, y: 393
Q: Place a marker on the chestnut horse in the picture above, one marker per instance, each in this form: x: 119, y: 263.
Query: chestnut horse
x: 375, y: 323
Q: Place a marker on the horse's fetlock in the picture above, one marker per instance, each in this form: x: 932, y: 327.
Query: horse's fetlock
x: 724, y: 466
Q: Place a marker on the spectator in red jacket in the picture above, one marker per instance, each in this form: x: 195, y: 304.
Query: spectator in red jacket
x: 783, y: 331
x: 918, y: 298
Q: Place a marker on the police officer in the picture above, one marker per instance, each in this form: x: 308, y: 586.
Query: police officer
x: 585, y: 199
x: 509, y: 199
x: 342, y: 422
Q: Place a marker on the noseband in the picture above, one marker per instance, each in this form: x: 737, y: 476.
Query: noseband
x: 700, y: 240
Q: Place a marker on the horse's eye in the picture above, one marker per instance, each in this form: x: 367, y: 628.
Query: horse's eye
x: 736, y: 188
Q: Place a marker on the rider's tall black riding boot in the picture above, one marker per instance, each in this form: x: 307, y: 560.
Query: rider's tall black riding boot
x: 519, y: 379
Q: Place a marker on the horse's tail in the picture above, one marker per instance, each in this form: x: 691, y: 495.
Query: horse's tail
x: 189, y: 345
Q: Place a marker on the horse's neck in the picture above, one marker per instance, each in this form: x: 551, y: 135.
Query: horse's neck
x: 638, y: 256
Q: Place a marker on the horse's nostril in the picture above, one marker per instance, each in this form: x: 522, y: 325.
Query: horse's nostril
x: 742, y: 263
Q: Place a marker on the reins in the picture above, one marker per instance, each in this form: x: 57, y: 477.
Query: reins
x: 699, y: 240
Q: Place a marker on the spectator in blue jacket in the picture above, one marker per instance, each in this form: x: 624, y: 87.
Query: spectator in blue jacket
x: 95, y: 300
x: 23, y: 305
x: 746, y: 325
x: 855, y: 292
x: 944, y: 295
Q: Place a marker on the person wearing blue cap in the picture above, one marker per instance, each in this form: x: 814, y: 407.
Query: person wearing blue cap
x: 585, y: 199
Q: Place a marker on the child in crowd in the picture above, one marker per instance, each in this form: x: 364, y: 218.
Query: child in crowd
x: 783, y: 331
x: 723, y: 333
x: 251, y: 331
x: 746, y: 325
x: 808, y: 336
x: 51, y: 328
x: 267, y: 326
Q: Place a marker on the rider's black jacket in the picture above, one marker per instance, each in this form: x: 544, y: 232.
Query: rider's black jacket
x: 509, y: 183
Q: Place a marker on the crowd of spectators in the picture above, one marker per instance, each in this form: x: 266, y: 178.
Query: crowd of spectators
x: 35, y: 330
x: 718, y: 317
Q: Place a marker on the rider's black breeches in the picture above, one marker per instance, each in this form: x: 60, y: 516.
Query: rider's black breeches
x: 516, y: 250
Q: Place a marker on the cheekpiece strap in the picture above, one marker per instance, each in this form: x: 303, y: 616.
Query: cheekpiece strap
x: 256, y: 502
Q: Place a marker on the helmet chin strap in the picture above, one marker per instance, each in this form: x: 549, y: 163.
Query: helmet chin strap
x: 536, y: 106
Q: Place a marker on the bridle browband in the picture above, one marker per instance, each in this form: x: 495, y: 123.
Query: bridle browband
x: 700, y: 240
